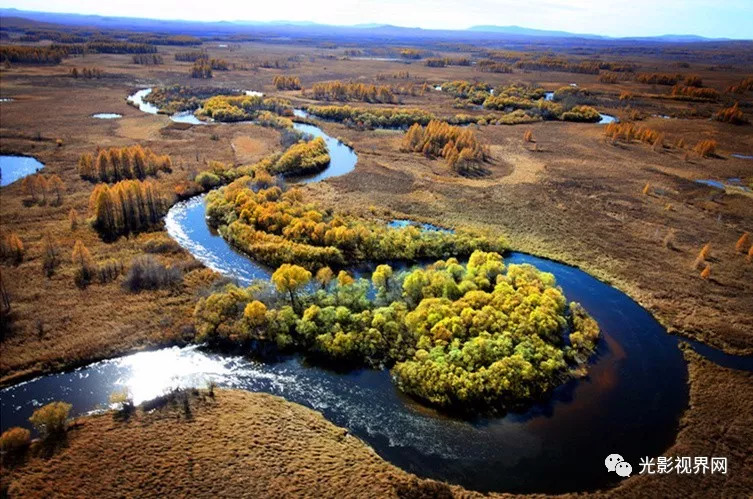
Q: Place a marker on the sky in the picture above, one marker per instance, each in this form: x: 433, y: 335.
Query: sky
x: 710, y: 18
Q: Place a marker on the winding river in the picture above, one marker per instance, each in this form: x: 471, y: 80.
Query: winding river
x: 630, y: 403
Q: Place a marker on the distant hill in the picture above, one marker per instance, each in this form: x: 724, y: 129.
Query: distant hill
x: 372, y: 31
x: 520, y: 31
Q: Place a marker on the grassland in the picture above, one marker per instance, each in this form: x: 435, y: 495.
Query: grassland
x: 571, y: 195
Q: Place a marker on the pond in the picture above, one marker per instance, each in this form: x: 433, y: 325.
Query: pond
x: 107, y: 116
x: 13, y: 168
x: 606, y: 119
x: 630, y: 403
x: 731, y: 184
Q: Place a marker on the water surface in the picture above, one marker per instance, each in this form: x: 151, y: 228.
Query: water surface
x: 13, y: 168
x: 107, y: 116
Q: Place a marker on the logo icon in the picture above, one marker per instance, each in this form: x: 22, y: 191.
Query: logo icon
x: 615, y: 462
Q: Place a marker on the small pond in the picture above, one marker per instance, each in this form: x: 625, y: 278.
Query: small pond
x: 107, y: 116
x: 13, y: 168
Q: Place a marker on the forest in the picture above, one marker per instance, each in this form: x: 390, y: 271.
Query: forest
x: 477, y: 337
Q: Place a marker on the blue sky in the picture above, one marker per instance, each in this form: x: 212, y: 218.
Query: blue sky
x: 720, y: 18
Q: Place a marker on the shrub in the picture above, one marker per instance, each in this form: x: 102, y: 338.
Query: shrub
x: 146, y: 272
x: 705, y: 148
x: 15, y: 440
x: 51, y: 420
x: 731, y: 115
x: 12, y: 248
x: 528, y: 136
x: 459, y: 146
x: 743, y: 242
x: 582, y: 113
x: 706, y: 272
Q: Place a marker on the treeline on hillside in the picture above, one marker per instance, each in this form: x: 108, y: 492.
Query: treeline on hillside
x: 349, y: 91
x: 18, y: 54
x: 282, y: 82
x: 190, y: 56
x: 245, y: 107
x: 127, y: 207
x: 478, y: 337
x: 118, y: 163
x: 275, y: 227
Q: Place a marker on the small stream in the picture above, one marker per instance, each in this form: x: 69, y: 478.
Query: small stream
x: 630, y: 403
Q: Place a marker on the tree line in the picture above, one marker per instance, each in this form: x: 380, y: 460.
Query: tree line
x: 349, y: 91
x: 119, y: 163
x: 275, y: 226
x: 282, y: 82
x: 19, y: 54
x: 148, y: 59
x: 127, y: 207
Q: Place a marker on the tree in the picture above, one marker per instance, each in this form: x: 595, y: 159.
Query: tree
x: 14, y: 441
x: 55, y: 184
x: 73, y: 218
x: 51, y: 420
x: 743, y: 242
x: 324, y: 276
x: 12, y: 248
x: 51, y: 256
x: 289, y: 279
x: 706, y: 272
x: 83, y: 259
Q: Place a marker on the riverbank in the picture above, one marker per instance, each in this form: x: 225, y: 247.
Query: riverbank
x: 242, y: 444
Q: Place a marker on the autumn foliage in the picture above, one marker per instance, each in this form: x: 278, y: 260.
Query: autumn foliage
x: 459, y: 146
x: 705, y: 148
x: 283, y: 82
x: 119, y: 163
x: 481, y: 336
x: 128, y: 206
x: 340, y: 91
x: 732, y: 115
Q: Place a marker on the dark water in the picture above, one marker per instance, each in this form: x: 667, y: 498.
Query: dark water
x: 13, y: 168
x: 342, y: 158
x: 733, y: 183
x: 630, y: 403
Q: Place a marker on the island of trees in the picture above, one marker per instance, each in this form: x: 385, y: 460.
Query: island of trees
x: 484, y: 336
